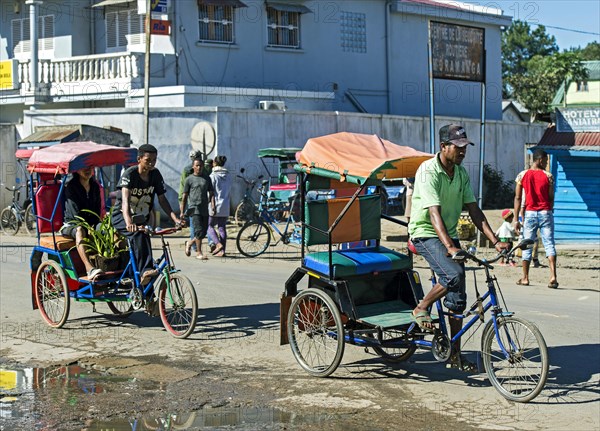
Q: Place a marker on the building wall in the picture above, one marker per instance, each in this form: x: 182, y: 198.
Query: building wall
x: 590, y: 97
x: 241, y: 133
x: 8, y: 164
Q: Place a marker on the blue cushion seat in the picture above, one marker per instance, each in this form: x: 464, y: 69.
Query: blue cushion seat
x: 357, y: 261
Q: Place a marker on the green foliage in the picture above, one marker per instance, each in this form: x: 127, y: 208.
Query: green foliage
x: 101, y: 240
x: 519, y: 45
x: 497, y: 193
x: 536, y: 88
x: 590, y: 53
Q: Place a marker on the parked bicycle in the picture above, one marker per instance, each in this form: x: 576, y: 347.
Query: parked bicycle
x: 246, y: 209
x: 15, y: 215
x: 254, y: 237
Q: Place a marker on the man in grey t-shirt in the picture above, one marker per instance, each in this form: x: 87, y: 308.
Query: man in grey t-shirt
x: 197, y: 193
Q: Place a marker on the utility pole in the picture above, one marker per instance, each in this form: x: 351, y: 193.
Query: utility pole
x: 147, y: 72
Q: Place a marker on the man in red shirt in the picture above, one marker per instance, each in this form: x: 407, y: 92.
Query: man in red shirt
x: 539, y: 203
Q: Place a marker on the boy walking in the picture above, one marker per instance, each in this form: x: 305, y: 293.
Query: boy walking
x: 197, y: 193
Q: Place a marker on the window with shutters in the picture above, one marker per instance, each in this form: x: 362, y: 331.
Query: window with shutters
x: 124, y: 28
x: 21, y: 34
x: 215, y: 23
x: 283, y: 28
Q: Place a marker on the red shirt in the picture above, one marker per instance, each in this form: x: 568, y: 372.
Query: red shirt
x: 536, y: 184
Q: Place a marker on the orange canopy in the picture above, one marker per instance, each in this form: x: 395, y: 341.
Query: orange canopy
x: 356, y: 157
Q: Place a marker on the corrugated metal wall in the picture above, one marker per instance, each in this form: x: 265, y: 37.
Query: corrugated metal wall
x: 577, y: 198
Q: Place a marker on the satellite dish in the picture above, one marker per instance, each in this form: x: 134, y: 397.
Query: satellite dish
x: 203, y: 138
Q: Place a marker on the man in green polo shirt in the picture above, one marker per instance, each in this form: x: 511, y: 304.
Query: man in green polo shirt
x: 442, y: 188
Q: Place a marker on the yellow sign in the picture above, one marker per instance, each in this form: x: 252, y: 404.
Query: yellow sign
x: 8, y: 379
x: 8, y: 75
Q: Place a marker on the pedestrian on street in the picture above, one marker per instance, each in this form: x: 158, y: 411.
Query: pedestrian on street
x: 221, y: 181
x: 506, y: 233
x: 538, y: 185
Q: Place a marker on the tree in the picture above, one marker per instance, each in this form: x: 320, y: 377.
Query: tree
x: 536, y: 87
x: 589, y: 53
x: 519, y: 45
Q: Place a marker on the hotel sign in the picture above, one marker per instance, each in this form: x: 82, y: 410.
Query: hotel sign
x: 569, y: 120
x: 458, y: 51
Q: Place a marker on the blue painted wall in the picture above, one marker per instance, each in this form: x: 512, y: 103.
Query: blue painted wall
x: 577, y: 196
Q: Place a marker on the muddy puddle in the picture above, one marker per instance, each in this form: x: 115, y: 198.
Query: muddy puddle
x: 56, y: 398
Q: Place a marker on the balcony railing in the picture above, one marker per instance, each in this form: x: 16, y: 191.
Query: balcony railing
x: 97, y: 68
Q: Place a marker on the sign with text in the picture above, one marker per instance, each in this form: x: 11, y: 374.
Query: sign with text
x: 158, y: 26
x: 458, y: 51
x: 9, y: 78
x: 156, y: 6
x: 569, y: 120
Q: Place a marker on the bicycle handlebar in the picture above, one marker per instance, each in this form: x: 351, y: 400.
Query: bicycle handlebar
x: 462, y: 255
x: 13, y: 188
x: 159, y: 231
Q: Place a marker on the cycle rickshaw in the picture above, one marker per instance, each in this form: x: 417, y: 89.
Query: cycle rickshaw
x: 359, y: 292
x: 57, y: 272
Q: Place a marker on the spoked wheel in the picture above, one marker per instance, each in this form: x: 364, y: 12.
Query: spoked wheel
x: 396, y: 354
x: 521, y: 373
x: 30, y: 222
x: 121, y: 309
x: 244, y: 212
x: 178, y: 305
x: 52, y: 293
x: 9, y: 222
x: 253, y: 239
x: 316, y: 332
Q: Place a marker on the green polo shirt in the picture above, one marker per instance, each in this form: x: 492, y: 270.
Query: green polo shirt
x: 434, y: 187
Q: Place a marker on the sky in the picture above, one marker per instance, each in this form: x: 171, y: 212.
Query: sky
x: 579, y: 15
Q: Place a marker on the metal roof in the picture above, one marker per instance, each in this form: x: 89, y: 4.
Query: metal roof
x: 570, y: 140
x: 111, y: 3
x: 49, y: 136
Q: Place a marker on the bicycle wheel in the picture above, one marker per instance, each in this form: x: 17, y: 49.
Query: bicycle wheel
x: 9, y: 221
x: 396, y: 354
x: 244, y: 212
x: 30, y: 220
x: 121, y: 309
x: 178, y: 305
x: 521, y: 373
x: 253, y: 239
x: 316, y: 332
x: 52, y: 293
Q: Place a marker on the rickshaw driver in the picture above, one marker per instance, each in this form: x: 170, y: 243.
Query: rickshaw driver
x: 441, y: 188
x: 82, y: 192
x: 138, y: 185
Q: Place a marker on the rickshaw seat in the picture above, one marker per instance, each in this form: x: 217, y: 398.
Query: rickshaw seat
x: 46, y: 197
x: 63, y: 243
x: 357, y: 261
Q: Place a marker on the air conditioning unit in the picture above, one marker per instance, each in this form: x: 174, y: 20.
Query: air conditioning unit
x: 275, y: 105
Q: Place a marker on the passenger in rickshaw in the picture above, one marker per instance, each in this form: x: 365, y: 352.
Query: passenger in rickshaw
x: 138, y: 186
x: 442, y: 187
x: 82, y: 192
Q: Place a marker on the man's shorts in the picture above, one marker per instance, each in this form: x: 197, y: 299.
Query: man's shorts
x: 544, y: 220
x: 200, y: 224
x: 450, y: 274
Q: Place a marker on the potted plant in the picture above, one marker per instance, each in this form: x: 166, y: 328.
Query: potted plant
x: 103, y: 242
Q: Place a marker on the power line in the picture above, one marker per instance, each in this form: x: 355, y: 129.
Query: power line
x: 566, y: 29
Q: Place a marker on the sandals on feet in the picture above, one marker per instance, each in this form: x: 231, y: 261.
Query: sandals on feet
x: 147, y: 276
x: 553, y: 285
x: 422, y: 318
x: 459, y: 362
x: 520, y: 282
x: 188, y: 249
x: 201, y: 257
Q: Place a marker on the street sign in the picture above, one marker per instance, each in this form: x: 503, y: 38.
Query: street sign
x: 156, y: 6
x: 9, y: 78
x: 158, y: 26
x: 457, y: 51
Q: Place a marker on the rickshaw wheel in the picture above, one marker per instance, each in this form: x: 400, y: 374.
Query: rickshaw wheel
x: 395, y: 354
x: 253, y: 239
x: 316, y: 332
x: 178, y: 305
x: 121, y: 309
x: 9, y: 222
x: 244, y: 212
x: 52, y: 293
x: 30, y: 222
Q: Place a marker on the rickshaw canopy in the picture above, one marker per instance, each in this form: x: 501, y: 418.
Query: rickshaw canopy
x: 279, y: 153
x: 358, y: 158
x: 24, y: 153
x: 72, y: 156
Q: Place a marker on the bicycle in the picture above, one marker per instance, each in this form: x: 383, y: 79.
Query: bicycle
x: 254, y: 237
x: 15, y: 215
x: 246, y: 209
